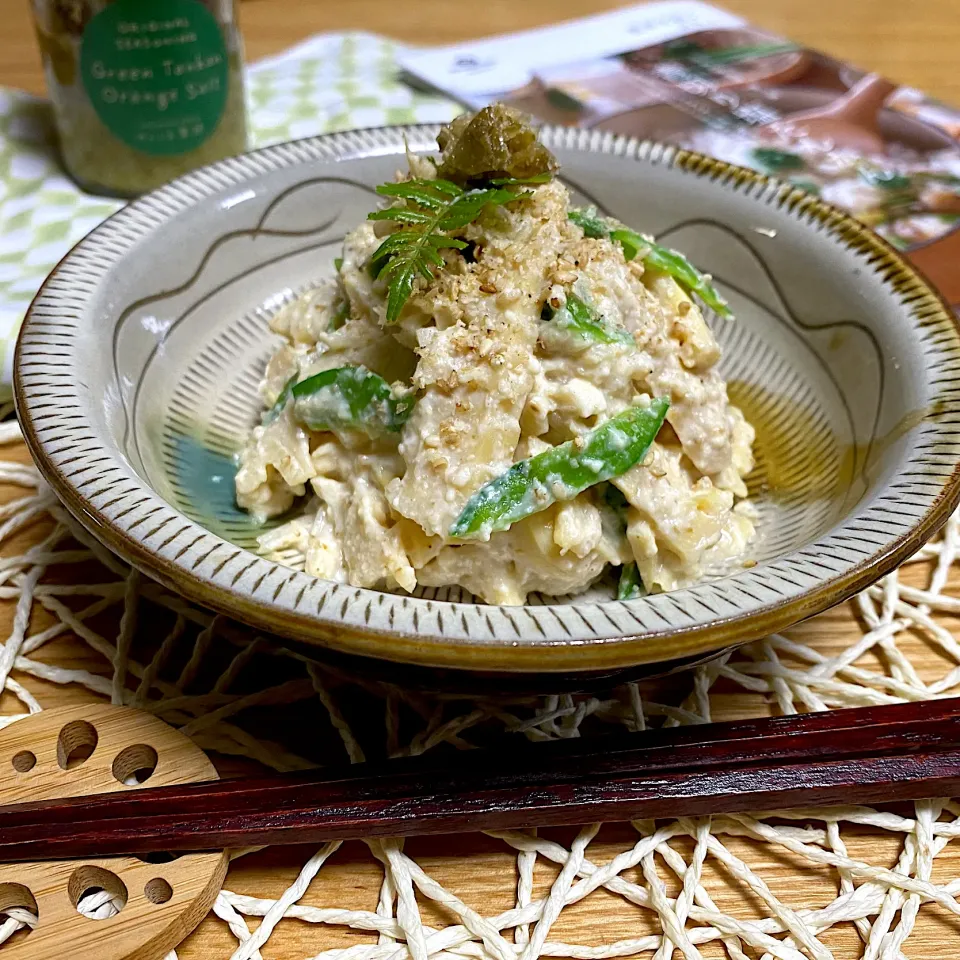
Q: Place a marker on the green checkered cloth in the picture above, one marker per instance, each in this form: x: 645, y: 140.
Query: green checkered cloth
x: 331, y: 82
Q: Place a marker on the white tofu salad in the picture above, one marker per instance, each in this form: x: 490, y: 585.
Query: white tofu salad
x: 499, y: 391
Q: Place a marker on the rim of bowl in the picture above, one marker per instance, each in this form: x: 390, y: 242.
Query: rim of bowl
x: 559, y: 652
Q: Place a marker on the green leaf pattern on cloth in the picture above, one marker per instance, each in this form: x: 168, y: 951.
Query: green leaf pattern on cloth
x: 331, y: 82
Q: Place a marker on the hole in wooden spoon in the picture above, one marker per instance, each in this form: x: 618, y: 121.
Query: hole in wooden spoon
x: 24, y: 761
x: 158, y: 890
x: 19, y: 913
x: 135, y: 764
x: 158, y: 857
x: 76, y: 743
x: 96, y: 893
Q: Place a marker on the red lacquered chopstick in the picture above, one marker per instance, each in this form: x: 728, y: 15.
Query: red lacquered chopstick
x: 876, y: 754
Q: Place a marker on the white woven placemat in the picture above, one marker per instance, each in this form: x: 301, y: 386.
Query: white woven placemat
x: 201, y: 678
x: 331, y: 82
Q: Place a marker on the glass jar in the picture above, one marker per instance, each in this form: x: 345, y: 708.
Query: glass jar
x: 142, y: 90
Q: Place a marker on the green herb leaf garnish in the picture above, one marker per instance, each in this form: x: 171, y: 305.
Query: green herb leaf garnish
x: 807, y: 185
x: 614, y: 498
x: 631, y: 242
x: 341, y: 315
x: 351, y: 398
x: 270, y: 415
x: 688, y: 276
x: 885, y: 179
x: 731, y: 55
x: 630, y: 586
x: 690, y: 50
x: 433, y: 207
x: 773, y: 160
x: 656, y: 256
x: 937, y: 176
x: 592, y: 225
x: 562, y: 472
x: 563, y: 100
x: 521, y: 181
x: 579, y: 318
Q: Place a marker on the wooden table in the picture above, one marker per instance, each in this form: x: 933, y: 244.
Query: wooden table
x: 913, y: 43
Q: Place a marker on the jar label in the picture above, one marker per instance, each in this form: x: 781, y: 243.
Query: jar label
x: 156, y: 73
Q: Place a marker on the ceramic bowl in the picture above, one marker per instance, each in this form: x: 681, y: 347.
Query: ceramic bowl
x: 138, y: 364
